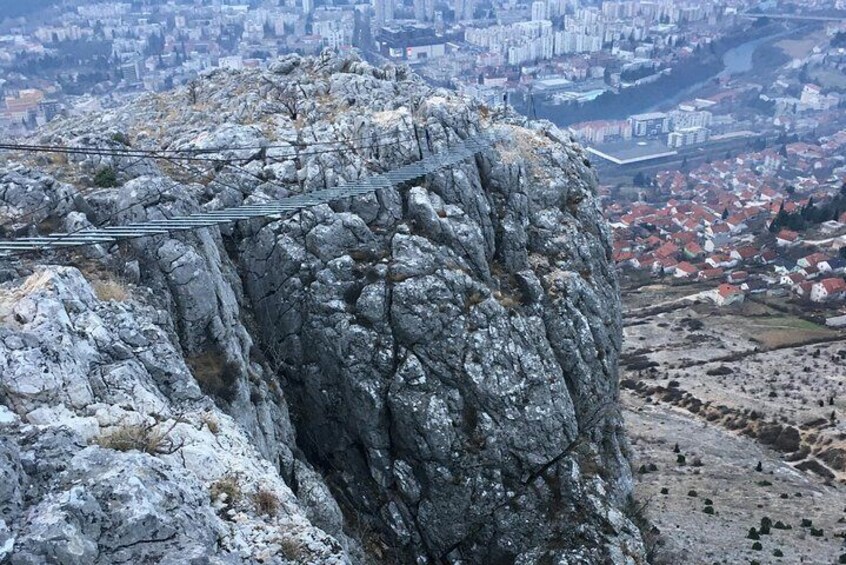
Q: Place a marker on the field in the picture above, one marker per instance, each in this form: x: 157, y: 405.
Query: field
x: 828, y: 78
x: 783, y: 331
x: 797, y: 48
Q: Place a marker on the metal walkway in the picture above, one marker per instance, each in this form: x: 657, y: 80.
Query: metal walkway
x: 111, y: 234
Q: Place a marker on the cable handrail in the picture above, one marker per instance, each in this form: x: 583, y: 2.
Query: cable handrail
x: 288, y: 205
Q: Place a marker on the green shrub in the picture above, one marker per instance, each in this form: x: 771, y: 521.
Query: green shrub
x: 105, y: 178
x: 757, y: 546
x: 121, y: 138
x: 766, y: 523
x: 753, y: 534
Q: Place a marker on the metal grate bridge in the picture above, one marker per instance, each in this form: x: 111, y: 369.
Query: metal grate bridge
x: 111, y: 234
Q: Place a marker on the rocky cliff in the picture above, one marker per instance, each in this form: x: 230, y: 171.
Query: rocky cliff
x: 425, y: 374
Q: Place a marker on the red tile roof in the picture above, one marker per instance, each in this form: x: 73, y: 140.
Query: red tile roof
x: 833, y: 285
x: 727, y: 290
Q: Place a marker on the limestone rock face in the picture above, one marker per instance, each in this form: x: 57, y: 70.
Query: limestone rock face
x: 424, y: 374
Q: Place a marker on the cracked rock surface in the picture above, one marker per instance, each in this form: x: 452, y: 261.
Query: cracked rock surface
x: 424, y: 374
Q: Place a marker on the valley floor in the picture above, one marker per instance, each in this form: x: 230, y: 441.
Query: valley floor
x: 732, y: 388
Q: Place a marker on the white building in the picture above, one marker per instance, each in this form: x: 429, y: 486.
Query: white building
x: 650, y: 124
x: 538, y: 11
x: 687, y: 136
x: 681, y: 119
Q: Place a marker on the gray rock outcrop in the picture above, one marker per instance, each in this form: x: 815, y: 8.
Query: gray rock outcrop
x: 425, y: 374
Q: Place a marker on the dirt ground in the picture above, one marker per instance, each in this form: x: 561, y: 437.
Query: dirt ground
x: 733, y: 387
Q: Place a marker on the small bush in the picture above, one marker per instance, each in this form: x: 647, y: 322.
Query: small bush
x: 764, y: 483
x: 757, y: 546
x: 121, y: 138
x: 778, y: 553
x: 105, y: 178
x: 817, y: 532
x: 766, y: 523
x: 665, y: 490
x: 779, y: 525
x: 708, y: 510
x: 753, y: 534
x: 806, y: 523
x: 266, y: 502
x: 709, y: 502
x: 692, y: 493
x: 680, y: 459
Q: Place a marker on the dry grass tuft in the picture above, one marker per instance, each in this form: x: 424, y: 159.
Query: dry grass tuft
x: 266, y: 502
x: 215, y: 375
x: 506, y: 300
x: 472, y: 299
x: 294, y: 550
x: 110, y: 289
x: 226, y: 489
x: 147, y: 438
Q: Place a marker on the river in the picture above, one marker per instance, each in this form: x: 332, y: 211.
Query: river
x: 736, y: 60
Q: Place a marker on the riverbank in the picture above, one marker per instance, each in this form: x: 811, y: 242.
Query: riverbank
x: 732, y: 55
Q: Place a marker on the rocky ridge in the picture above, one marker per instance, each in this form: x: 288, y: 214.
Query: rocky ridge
x: 425, y: 374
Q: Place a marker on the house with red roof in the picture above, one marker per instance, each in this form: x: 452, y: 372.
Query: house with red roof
x: 744, y: 253
x: 736, y: 223
x: 737, y: 276
x: 787, y: 238
x: 791, y: 279
x: 812, y: 259
x: 667, y: 250
x: 721, y: 261
x: 693, y: 250
x: 727, y: 294
x: 833, y: 288
x: 685, y: 270
x: 803, y: 289
x: 710, y: 274
x: 768, y: 256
